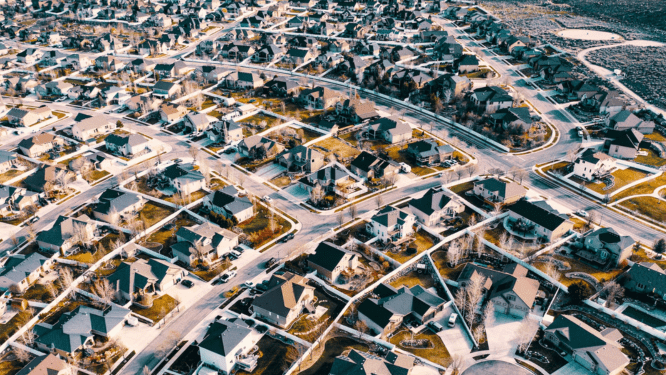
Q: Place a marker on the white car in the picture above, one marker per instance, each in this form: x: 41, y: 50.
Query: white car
x: 267, y: 199
x: 581, y: 213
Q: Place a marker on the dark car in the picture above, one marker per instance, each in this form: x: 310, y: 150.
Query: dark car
x: 239, y: 249
x: 270, y: 262
x: 287, y: 237
x: 187, y: 283
x: 230, y: 150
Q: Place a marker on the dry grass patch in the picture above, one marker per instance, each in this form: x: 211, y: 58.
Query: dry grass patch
x: 160, y: 308
x: 647, y: 187
x: 650, y: 159
x: 414, y: 278
x: 622, y: 177
x: 437, y: 351
x: 338, y: 147
x: 649, y: 206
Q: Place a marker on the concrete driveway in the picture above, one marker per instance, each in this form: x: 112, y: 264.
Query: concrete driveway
x: 503, y: 334
x: 297, y: 192
x: 455, y: 339
x: 270, y: 171
x: 496, y: 368
x: 572, y: 368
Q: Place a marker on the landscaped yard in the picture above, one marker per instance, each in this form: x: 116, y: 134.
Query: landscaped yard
x: 175, y: 199
x: 436, y: 352
x: 258, y: 119
x: 212, y: 271
x: 258, y: 230
x: 577, y: 266
x: 650, y: 159
x: 414, y: 278
x: 39, y: 292
x: 337, y: 147
x: 398, y: 154
x: 656, y: 136
x: 153, y: 212
x: 10, y: 367
x: 281, y: 181
x: 622, y: 177
x: 160, y: 308
x: 423, y: 241
x: 647, y: 187
x: 649, y: 206
x: 439, y: 257
x: 333, y: 348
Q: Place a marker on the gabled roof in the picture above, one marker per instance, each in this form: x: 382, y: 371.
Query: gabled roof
x: 229, y: 202
x: 129, y: 277
x: 39, y: 139
x: 504, y: 189
x: 223, y: 336
x: 390, y: 216
x: 328, y: 255
x: 362, y: 363
x: 283, y: 295
x: 393, y: 126
x: 432, y: 201
x: 538, y: 214
x: 121, y: 140
x: 429, y: 147
x: 17, y: 268
x: 115, y: 200
x: 43, y: 365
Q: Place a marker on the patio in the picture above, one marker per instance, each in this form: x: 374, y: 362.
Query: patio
x: 520, y: 228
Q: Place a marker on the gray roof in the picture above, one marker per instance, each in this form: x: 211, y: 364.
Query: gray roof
x: 362, y: 363
x: 122, y: 140
x: 116, y: 200
x: 228, y: 200
x: 62, y: 230
x: 7, y: 156
x: 504, y: 189
x: 327, y: 255
x: 432, y: 201
x: 223, y: 336
x: 17, y: 268
x: 390, y: 216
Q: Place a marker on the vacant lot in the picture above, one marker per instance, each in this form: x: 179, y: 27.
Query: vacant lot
x: 338, y: 147
x: 649, y: 206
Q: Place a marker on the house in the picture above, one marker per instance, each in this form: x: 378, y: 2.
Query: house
x: 259, y: 148
x: 91, y: 160
x: 591, y: 165
x: 140, y: 66
x: 152, y: 47
x: 354, y: 110
x: 391, y: 224
x: 76, y: 61
x: 515, y: 117
x: 286, y: 297
x: 226, y: 346
x: 127, y: 145
x: 537, y: 219
x: 319, y: 97
x: 172, y: 112
x: 299, y: 56
x: 22, y: 271
x: 114, y: 205
x: 434, y: 205
x: 164, y: 70
x: 28, y: 117
x: 598, y: 352
x: 268, y: 53
x: 646, y: 277
x: 143, y: 103
x: 625, y: 120
x: 301, y: 159
x: 391, y: 130
x: 244, y: 80
x: 330, y: 260
x: 497, y: 191
x: 75, y: 330
x: 352, y: 66
x: 8, y: 160
x: 625, y: 144
x: 40, y: 144
x: 205, y: 243
x: 90, y: 126
x: 466, y: 64
x: 46, y: 175
x: 383, y: 315
x: 369, y: 166
x: 65, y: 233
x: 212, y: 74
x: 605, y: 248
x: 510, y: 290
x: 197, y: 122
x: 236, y: 51
x: 225, y: 131
x: 330, y: 179
x: 145, y: 277
x: 428, y: 152
x: 45, y: 365
x: 108, y: 63
x: 29, y: 56
x: 361, y: 363
x: 491, y: 98
x: 166, y: 89
x: 14, y: 198
x: 228, y: 203
x: 283, y: 86
x: 51, y: 58
x: 184, y: 178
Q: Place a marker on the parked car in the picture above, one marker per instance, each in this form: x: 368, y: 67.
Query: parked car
x: 436, y: 327
x: 287, y: 237
x: 405, y: 168
x: 267, y: 199
x: 270, y: 262
x: 34, y: 219
x: 187, y: 283
x: 582, y: 213
x: 239, y: 249
x: 452, y: 320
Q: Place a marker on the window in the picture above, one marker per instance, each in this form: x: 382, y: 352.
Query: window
x: 511, y: 298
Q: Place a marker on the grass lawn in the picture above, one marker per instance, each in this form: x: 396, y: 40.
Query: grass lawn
x: 217, y: 184
x: 641, y: 256
x: 351, y: 137
x: 152, y: 213
x: 161, y: 307
x: 10, y: 174
x: 189, y: 199
x: 423, y: 241
x: 167, y: 236
x: 213, y: 271
x: 397, y: 153
x: 648, y: 206
x: 482, y: 73
x: 461, y: 188
x: 309, y: 135
x: 577, y: 266
x: 333, y: 348
x: 257, y: 119
x: 622, y: 177
x: 643, y: 317
x: 647, y: 187
x: 650, y: 159
x: 281, y: 181
x: 97, y: 175
x: 656, y: 136
x: 414, y: 278
x: 439, y: 257
x: 59, y: 114
x: 272, y: 357
x: 436, y: 353
x: 6, y: 330
x: 38, y: 292
x: 10, y: 367
x: 337, y: 147
x: 257, y: 228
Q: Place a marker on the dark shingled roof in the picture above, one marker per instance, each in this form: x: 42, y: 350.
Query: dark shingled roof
x: 549, y: 219
x: 224, y: 335
x: 327, y: 255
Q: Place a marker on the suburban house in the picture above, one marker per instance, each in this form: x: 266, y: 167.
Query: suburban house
x: 491, y: 98
x: 598, y: 352
x: 28, y: 117
x: 90, y: 160
x: 225, y: 131
x: 604, y: 247
x: 497, y: 191
x: 14, y: 198
x: 227, y: 202
x: 45, y: 365
x: 114, y: 205
x: 330, y: 179
x: 46, y: 175
x: 361, y: 363
x: 434, y: 205
x: 287, y: 296
x: 145, y: 277
x: 143, y: 103
x: 268, y: 53
x: 8, y: 160
x: 466, y: 64
x: 428, y: 152
x: 244, y: 80
x: 391, y: 130
x: 591, y: 165
x: 354, y: 111
x: 330, y: 260
x: 128, y: 145
x: 172, y: 112
x: 76, y: 330
x: 624, y: 120
x: 301, y: 159
x: 510, y: 290
x: 625, y: 144
x: 166, y: 89
x: 40, y: 144
x: 537, y: 219
x: 391, y: 224
x: 283, y: 86
x: 226, y: 346
x: 259, y: 148
x: 197, y: 122
x: 370, y: 166
x: 205, y: 242
x: 383, y: 315
x: 86, y: 127
x: 65, y: 233
x: 319, y: 97
x: 184, y: 178
x: 519, y: 117
x: 646, y: 278
x: 21, y: 271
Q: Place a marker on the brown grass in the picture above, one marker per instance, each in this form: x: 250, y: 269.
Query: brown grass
x: 648, y: 206
x: 647, y: 187
x: 622, y: 177
x: 414, y: 278
x: 336, y: 146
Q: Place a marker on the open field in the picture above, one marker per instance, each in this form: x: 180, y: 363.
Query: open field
x: 649, y: 206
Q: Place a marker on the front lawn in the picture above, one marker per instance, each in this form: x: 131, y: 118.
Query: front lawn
x: 648, y: 206
x: 650, y: 159
x: 281, y: 181
x: 10, y: 174
x: 622, y: 177
x: 399, y: 155
x: 258, y: 229
x: 212, y: 271
x: 160, y: 308
x: 414, y: 278
x: 436, y: 352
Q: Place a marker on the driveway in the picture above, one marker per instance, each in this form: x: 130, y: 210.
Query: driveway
x: 503, y: 333
x: 572, y: 368
x: 297, y: 192
x: 270, y: 171
x: 496, y: 368
x: 455, y: 339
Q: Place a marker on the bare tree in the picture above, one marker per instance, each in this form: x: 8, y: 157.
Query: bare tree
x: 317, y: 194
x: 459, y: 172
x: 194, y: 151
x: 521, y: 175
x: 454, y: 253
x: 474, y: 290
x: 341, y: 218
x: 29, y: 337
x: 489, y: 314
x: 104, y: 290
x: 457, y: 362
x: 205, y: 170
x: 552, y: 271
x: 613, y: 291
x: 379, y: 201
x: 471, y: 169
x: 526, y: 332
x: 478, y: 333
x: 199, y: 252
x: 66, y: 277
x: 21, y: 354
x: 361, y: 327
x: 353, y: 211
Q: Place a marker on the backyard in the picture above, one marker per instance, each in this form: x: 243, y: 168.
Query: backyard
x: 650, y: 159
x: 647, y: 187
x: 272, y: 357
x: 423, y: 241
x: 160, y: 308
x: 577, y: 266
x: 439, y: 257
x: 337, y: 147
x: 622, y: 177
x: 414, y: 278
x: 333, y: 348
x: 152, y: 213
x: 258, y: 229
x: 435, y: 352
x: 166, y: 235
